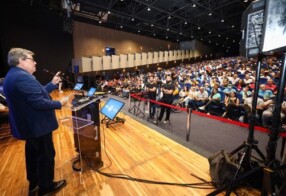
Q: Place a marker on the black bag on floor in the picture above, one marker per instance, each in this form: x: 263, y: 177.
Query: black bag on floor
x: 222, y: 168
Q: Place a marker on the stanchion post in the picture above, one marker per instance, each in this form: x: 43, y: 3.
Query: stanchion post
x: 148, y: 106
x: 129, y: 102
x: 189, y: 110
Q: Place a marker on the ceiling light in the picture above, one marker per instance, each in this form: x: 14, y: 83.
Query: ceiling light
x: 148, y: 9
x: 169, y: 17
x: 168, y: 29
x: 202, y: 39
x: 154, y: 34
x: 210, y: 41
x: 194, y: 5
x: 99, y: 22
x: 139, y: 31
x: 181, y: 33
x: 245, y: 1
x: 192, y: 36
x: 210, y: 13
x: 233, y: 41
x: 222, y: 20
x: 121, y: 26
x: 226, y: 38
x: 152, y: 25
x: 186, y: 22
x: 232, y: 26
x: 178, y: 40
x: 132, y: 19
x: 210, y: 32
x: 166, y: 37
x: 199, y: 27
x: 108, y: 12
x: 218, y: 35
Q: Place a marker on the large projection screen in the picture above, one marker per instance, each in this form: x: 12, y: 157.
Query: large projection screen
x: 274, y: 31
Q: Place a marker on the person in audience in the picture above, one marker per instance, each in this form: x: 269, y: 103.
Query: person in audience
x: 228, y: 90
x: 264, y: 93
x: 192, y: 95
x: 167, y: 89
x: 151, y: 88
x: 231, y: 103
x: 225, y: 82
x: 25, y: 95
x: 271, y: 86
x: 240, y: 85
x: 245, y: 93
x: 247, y: 106
x: 234, y: 79
x: 248, y: 80
x: 200, y: 99
x: 214, y: 99
x: 267, y: 114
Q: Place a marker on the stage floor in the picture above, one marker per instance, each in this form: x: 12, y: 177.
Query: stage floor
x: 131, y: 148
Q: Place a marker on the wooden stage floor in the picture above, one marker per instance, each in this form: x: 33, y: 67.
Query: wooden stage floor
x: 133, y: 149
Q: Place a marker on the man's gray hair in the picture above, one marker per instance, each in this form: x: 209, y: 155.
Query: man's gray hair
x: 15, y: 54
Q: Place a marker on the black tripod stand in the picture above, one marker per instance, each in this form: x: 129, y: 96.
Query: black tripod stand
x: 245, y: 150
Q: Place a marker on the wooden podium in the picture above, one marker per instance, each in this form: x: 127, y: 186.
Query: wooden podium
x: 86, y: 127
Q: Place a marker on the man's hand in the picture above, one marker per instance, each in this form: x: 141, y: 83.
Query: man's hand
x: 57, y: 78
x: 64, y: 101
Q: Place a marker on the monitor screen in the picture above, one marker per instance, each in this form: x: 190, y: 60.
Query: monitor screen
x: 78, y: 86
x: 274, y: 37
x: 111, y: 108
x: 91, y: 92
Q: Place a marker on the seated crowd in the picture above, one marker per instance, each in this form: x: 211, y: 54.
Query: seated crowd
x: 222, y: 87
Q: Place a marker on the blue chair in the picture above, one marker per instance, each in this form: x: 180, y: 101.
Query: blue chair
x: 263, y: 80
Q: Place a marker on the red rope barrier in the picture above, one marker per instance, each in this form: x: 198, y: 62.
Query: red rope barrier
x: 237, y: 123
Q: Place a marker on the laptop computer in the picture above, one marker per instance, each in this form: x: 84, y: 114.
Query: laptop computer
x: 78, y: 86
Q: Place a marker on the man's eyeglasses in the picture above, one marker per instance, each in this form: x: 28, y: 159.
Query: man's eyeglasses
x: 31, y: 59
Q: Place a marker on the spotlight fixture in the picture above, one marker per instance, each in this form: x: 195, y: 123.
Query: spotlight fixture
x: 232, y: 26
x: 186, y: 22
x: 99, y: 22
x: 166, y: 37
x: 148, y: 9
x: 192, y: 36
x: 181, y: 33
x: 132, y: 19
x: 139, y: 31
x: 194, y: 5
x: 168, y: 29
x: 154, y: 34
x: 245, y: 1
x: 222, y: 20
x: 199, y: 27
x: 210, y: 32
x: 121, y: 26
x: 108, y: 12
x: 218, y: 35
x: 169, y: 17
x: 152, y: 25
x: 210, y: 13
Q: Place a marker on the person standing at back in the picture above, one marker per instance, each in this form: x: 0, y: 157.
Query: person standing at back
x: 167, y: 89
x: 32, y: 118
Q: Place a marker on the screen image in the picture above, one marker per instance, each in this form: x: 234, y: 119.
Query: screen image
x: 111, y: 108
x: 78, y: 86
x: 91, y: 92
x: 274, y: 37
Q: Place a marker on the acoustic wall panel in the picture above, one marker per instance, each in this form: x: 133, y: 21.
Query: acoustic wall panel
x: 106, y: 62
x: 144, y: 58
x: 183, y: 54
x: 150, y: 58
x: 130, y: 60
x: 96, y: 63
x: 179, y: 55
x: 171, y: 55
x: 138, y: 60
x: 187, y: 56
x: 83, y: 64
x: 155, y: 57
x: 123, y: 61
x: 161, y: 57
x: 166, y: 56
x: 115, y: 62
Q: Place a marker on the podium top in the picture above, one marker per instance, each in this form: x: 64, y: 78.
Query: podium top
x: 79, y: 105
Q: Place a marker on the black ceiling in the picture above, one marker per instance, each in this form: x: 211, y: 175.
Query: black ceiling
x: 214, y: 22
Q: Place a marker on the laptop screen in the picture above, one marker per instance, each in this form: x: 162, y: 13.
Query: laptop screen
x: 91, y: 92
x: 78, y: 86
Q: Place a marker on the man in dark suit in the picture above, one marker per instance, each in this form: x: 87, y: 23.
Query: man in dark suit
x: 32, y: 118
